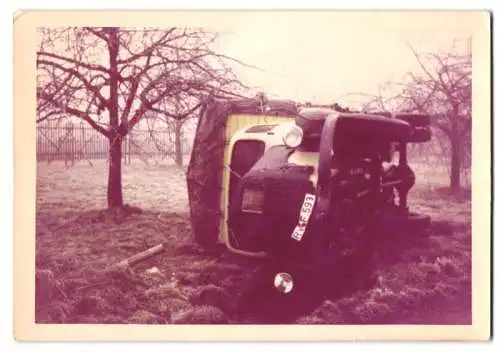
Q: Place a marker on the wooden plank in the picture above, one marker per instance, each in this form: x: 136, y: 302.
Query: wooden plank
x: 139, y: 257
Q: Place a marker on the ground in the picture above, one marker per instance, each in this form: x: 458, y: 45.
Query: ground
x: 425, y: 280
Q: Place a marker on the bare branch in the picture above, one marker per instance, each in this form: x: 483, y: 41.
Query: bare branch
x: 422, y: 66
x: 81, y: 114
x: 148, y: 51
x: 172, y: 68
x: 78, y: 75
x: 97, y: 33
x: 74, y: 62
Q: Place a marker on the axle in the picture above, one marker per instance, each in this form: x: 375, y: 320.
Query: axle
x: 406, y: 175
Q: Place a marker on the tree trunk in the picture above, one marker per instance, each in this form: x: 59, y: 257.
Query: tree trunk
x: 178, y: 143
x: 115, y: 196
x: 455, y: 165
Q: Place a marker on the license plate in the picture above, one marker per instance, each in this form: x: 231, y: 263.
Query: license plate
x: 305, y: 214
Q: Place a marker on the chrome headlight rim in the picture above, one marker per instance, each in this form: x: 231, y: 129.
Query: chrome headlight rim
x: 283, y: 282
x: 293, y: 136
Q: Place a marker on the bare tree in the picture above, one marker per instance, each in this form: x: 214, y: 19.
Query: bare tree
x: 445, y: 93
x: 179, y: 114
x: 442, y: 89
x: 174, y: 146
x: 111, y: 77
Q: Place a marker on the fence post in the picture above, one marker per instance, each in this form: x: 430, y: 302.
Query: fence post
x: 69, y: 145
x: 63, y: 142
x: 127, y: 145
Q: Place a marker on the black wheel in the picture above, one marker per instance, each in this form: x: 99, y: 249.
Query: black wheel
x: 354, y: 126
x: 420, y: 135
x: 372, y: 127
x: 416, y: 120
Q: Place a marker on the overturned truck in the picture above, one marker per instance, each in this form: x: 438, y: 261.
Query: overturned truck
x: 302, y: 186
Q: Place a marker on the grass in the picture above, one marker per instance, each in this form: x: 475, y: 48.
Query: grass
x: 423, y: 281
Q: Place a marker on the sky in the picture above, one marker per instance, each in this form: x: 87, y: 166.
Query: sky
x: 321, y: 57
x: 325, y: 56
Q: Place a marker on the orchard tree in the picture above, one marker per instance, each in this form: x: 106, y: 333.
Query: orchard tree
x: 112, y: 77
x: 442, y: 88
x: 177, y: 117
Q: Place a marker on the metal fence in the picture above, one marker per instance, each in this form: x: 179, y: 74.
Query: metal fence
x: 71, y: 142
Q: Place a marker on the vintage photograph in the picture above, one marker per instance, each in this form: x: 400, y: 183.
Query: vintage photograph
x: 279, y: 168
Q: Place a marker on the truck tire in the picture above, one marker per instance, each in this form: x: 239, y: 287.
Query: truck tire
x: 421, y: 135
x: 416, y: 120
x: 355, y: 125
x: 373, y: 127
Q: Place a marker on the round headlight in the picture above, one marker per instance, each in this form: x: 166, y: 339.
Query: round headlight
x: 283, y: 282
x: 293, y: 137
